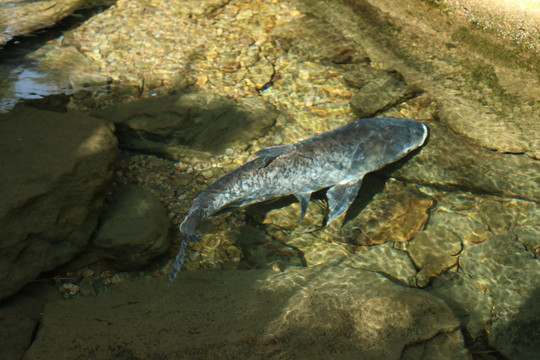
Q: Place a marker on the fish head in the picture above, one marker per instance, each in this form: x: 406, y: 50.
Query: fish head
x: 381, y: 141
x: 416, y: 135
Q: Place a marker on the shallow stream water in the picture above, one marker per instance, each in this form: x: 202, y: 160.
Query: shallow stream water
x: 449, y: 235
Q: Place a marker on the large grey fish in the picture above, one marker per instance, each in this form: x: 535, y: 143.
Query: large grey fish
x: 337, y: 159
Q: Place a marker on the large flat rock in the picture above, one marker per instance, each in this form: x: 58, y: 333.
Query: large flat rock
x: 450, y: 161
x: 189, y: 126
x: 55, y: 170
x: 300, y: 314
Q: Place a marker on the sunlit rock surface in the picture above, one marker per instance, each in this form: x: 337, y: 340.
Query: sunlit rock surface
x: 20, y: 17
x: 506, y: 271
x: 55, y: 171
x: 384, y: 259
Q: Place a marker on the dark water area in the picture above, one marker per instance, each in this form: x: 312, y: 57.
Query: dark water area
x: 113, y: 121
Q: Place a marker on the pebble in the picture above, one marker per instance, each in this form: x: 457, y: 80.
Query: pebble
x: 207, y: 174
x: 69, y: 289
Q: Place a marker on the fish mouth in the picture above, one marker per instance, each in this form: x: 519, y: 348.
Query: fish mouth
x: 426, y: 133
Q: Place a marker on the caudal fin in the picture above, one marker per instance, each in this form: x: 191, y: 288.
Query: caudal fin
x: 179, y: 261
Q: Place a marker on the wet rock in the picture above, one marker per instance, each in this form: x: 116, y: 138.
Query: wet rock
x: 261, y: 73
x: 19, y: 317
x: 135, y: 228
x: 447, y: 346
x: 197, y: 8
x: 23, y: 17
x: 342, y: 311
x: 188, y: 126
x: 250, y: 314
x: 361, y: 76
x: 434, y: 268
x: 386, y: 260
x: 449, y: 227
x: 262, y: 252
x: 316, y: 39
x: 379, y: 90
x: 433, y: 252
x: 450, y: 161
x: 432, y: 243
x: 509, y: 274
x: 281, y: 220
x: 84, y: 84
x: 217, y: 251
x: 56, y: 169
x: 315, y: 250
x: 468, y: 299
x: 527, y: 226
x: 396, y: 214
x: 504, y: 135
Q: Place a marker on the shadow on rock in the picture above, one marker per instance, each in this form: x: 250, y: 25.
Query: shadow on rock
x: 300, y: 313
x: 189, y: 126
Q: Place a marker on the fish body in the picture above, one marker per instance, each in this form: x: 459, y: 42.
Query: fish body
x: 337, y: 159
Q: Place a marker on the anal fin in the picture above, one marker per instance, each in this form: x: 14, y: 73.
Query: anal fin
x: 303, y: 198
x: 340, y: 197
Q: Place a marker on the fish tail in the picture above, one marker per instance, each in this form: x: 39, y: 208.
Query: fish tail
x: 188, y: 226
x: 179, y: 260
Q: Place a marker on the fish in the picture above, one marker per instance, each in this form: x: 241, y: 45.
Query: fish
x: 337, y: 159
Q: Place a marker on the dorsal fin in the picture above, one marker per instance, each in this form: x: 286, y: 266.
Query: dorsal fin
x: 275, y: 151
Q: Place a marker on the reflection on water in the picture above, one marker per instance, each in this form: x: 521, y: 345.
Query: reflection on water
x: 23, y: 83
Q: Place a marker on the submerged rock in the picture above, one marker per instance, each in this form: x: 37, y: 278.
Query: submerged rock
x: 450, y: 161
x: 315, y: 39
x: 360, y: 314
x: 261, y: 73
x: 196, y: 8
x: 300, y: 313
x: 467, y: 298
x: 509, y: 274
x: 135, y: 228
x: 19, y: 317
x: 55, y: 171
x: 378, y: 90
x: 434, y: 251
x: 396, y: 214
x: 188, y: 126
x: 262, y: 252
x: 384, y: 259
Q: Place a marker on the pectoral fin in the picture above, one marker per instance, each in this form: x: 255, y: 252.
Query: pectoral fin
x: 340, y: 197
x: 304, y: 202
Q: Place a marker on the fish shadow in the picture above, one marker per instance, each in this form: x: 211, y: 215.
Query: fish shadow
x: 372, y: 184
